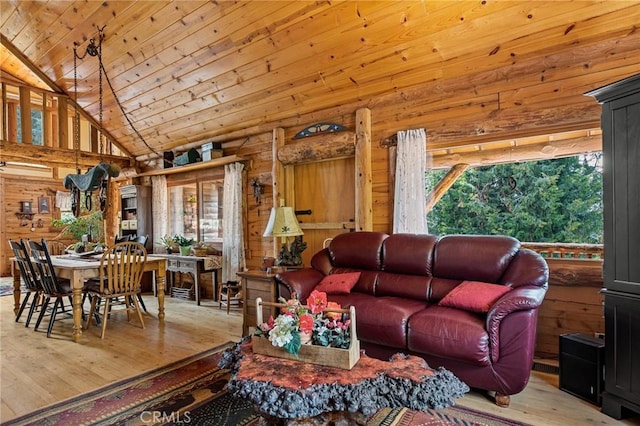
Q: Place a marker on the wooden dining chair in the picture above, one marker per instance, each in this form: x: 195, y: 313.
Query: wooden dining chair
x: 52, y: 286
x: 30, y: 279
x: 142, y: 239
x: 56, y: 247
x: 121, y: 268
x: 122, y: 239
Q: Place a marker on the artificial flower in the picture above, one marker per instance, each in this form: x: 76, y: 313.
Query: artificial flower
x: 325, y: 328
x: 333, y: 315
x: 317, y: 301
x: 306, y: 323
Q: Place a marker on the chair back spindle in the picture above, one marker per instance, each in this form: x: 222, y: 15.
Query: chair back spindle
x: 27, y: 270
x: 52, y: 287
x: 42, y: 259
x: 121, y: 268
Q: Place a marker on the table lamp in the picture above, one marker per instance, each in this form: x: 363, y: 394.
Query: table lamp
x: 283, y: 223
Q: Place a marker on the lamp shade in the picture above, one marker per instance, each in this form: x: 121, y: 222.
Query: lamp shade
x: 282, y: 223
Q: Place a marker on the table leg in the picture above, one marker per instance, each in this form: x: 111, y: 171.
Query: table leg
x: 160, y: 283
x: 77, y: 309
x: 215, y: 285
x: 16, y: 287
x: 196, y: 282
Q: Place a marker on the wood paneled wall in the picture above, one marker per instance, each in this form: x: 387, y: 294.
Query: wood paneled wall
x: 13, y: 189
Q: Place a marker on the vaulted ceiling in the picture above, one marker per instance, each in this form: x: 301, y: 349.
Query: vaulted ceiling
x: 191, y: 71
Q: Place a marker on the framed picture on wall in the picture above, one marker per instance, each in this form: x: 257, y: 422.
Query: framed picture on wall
x: 44, y: 204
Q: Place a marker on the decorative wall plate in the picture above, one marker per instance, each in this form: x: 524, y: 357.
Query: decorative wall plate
x: 319, y: 128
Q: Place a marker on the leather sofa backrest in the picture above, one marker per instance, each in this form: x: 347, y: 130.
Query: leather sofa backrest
x: 474, y: 257
x: 425, y: 267
x: 406, y: 266
x: 408, y: 253
x: 357, y: 250
x: 458, y: 258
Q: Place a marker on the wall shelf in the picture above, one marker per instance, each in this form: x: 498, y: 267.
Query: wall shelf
x: 25, y: 215
x: 195, y: 166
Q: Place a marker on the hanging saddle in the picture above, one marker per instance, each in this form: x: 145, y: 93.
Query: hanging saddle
x: 96, y: 177
x: 91, y: 180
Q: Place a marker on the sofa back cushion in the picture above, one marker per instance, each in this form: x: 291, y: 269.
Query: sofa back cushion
x: 410, y: 254
x: 474, y: 257
x: 406, y: 266
x: 357, y: 250
x: 403, y: 285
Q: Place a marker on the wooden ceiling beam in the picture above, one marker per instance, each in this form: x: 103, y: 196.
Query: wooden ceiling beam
x: 58, y: 91
x: 56, y: 157
x: 510, y: 154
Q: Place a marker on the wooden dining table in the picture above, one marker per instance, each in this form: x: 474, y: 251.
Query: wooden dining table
x: 78, y: 269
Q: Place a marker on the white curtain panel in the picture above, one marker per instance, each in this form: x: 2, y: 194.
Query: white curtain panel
x: 232, y: 236
x: 159, y: 209
x: 409, y: 209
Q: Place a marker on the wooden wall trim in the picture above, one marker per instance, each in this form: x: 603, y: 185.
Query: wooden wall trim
x: 195, y: 166
x: 329, y: 146
x: 363, y: 171
x: 55, y: 157
x: 277, y: 174
x: 572, y: 272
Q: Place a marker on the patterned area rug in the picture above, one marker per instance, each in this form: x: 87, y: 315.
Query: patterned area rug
x: 192, y: 391
x: 6, y: 286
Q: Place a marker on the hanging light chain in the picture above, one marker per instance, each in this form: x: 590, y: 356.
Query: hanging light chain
x: 76, y: 118
x: 94, y: 49
x: 100, y: 148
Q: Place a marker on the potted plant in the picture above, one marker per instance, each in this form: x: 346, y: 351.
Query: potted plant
x: 168, y: 243
x: 75, y: 227
x: 184, y: 243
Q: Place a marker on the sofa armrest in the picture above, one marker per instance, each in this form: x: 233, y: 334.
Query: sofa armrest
x: 523, y: 298
x: 301, y: 281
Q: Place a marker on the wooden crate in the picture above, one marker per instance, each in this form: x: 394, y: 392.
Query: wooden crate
x: 321, y: 355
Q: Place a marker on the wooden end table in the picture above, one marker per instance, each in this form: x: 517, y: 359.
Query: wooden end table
x: 255, y: 284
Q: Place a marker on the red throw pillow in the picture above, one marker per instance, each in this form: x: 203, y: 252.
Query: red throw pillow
x: 474, y: 296
x: 338, y: 283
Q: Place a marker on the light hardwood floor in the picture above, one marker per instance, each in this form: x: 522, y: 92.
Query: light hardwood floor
x: 37, y: 371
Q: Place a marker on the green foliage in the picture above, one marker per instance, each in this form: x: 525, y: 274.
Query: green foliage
x: 293, y: 346
x: 76, y: 227
x: 166, y: 241
x: 544, y: 201
x: 183, y: 241
x: 329, y: 332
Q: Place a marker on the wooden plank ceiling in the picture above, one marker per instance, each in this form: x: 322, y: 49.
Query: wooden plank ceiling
x: 191, y: 71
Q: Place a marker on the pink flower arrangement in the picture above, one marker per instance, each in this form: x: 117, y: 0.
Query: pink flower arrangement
x: 295, y: 319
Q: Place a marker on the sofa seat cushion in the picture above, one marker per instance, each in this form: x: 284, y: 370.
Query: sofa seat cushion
x: 381, y: 320
x: 449, y: 333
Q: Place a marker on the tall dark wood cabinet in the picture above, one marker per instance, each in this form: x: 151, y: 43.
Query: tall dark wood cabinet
x: 136, y: 212
x: 621, y: 152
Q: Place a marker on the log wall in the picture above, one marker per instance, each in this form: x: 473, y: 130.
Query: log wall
x: 16, y: 188
x: 573, y: 303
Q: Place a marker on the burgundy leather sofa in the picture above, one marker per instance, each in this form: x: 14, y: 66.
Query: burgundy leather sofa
x: 404, y: 276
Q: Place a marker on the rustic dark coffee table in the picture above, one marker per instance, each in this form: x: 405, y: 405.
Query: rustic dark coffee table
x: 286, y: 392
